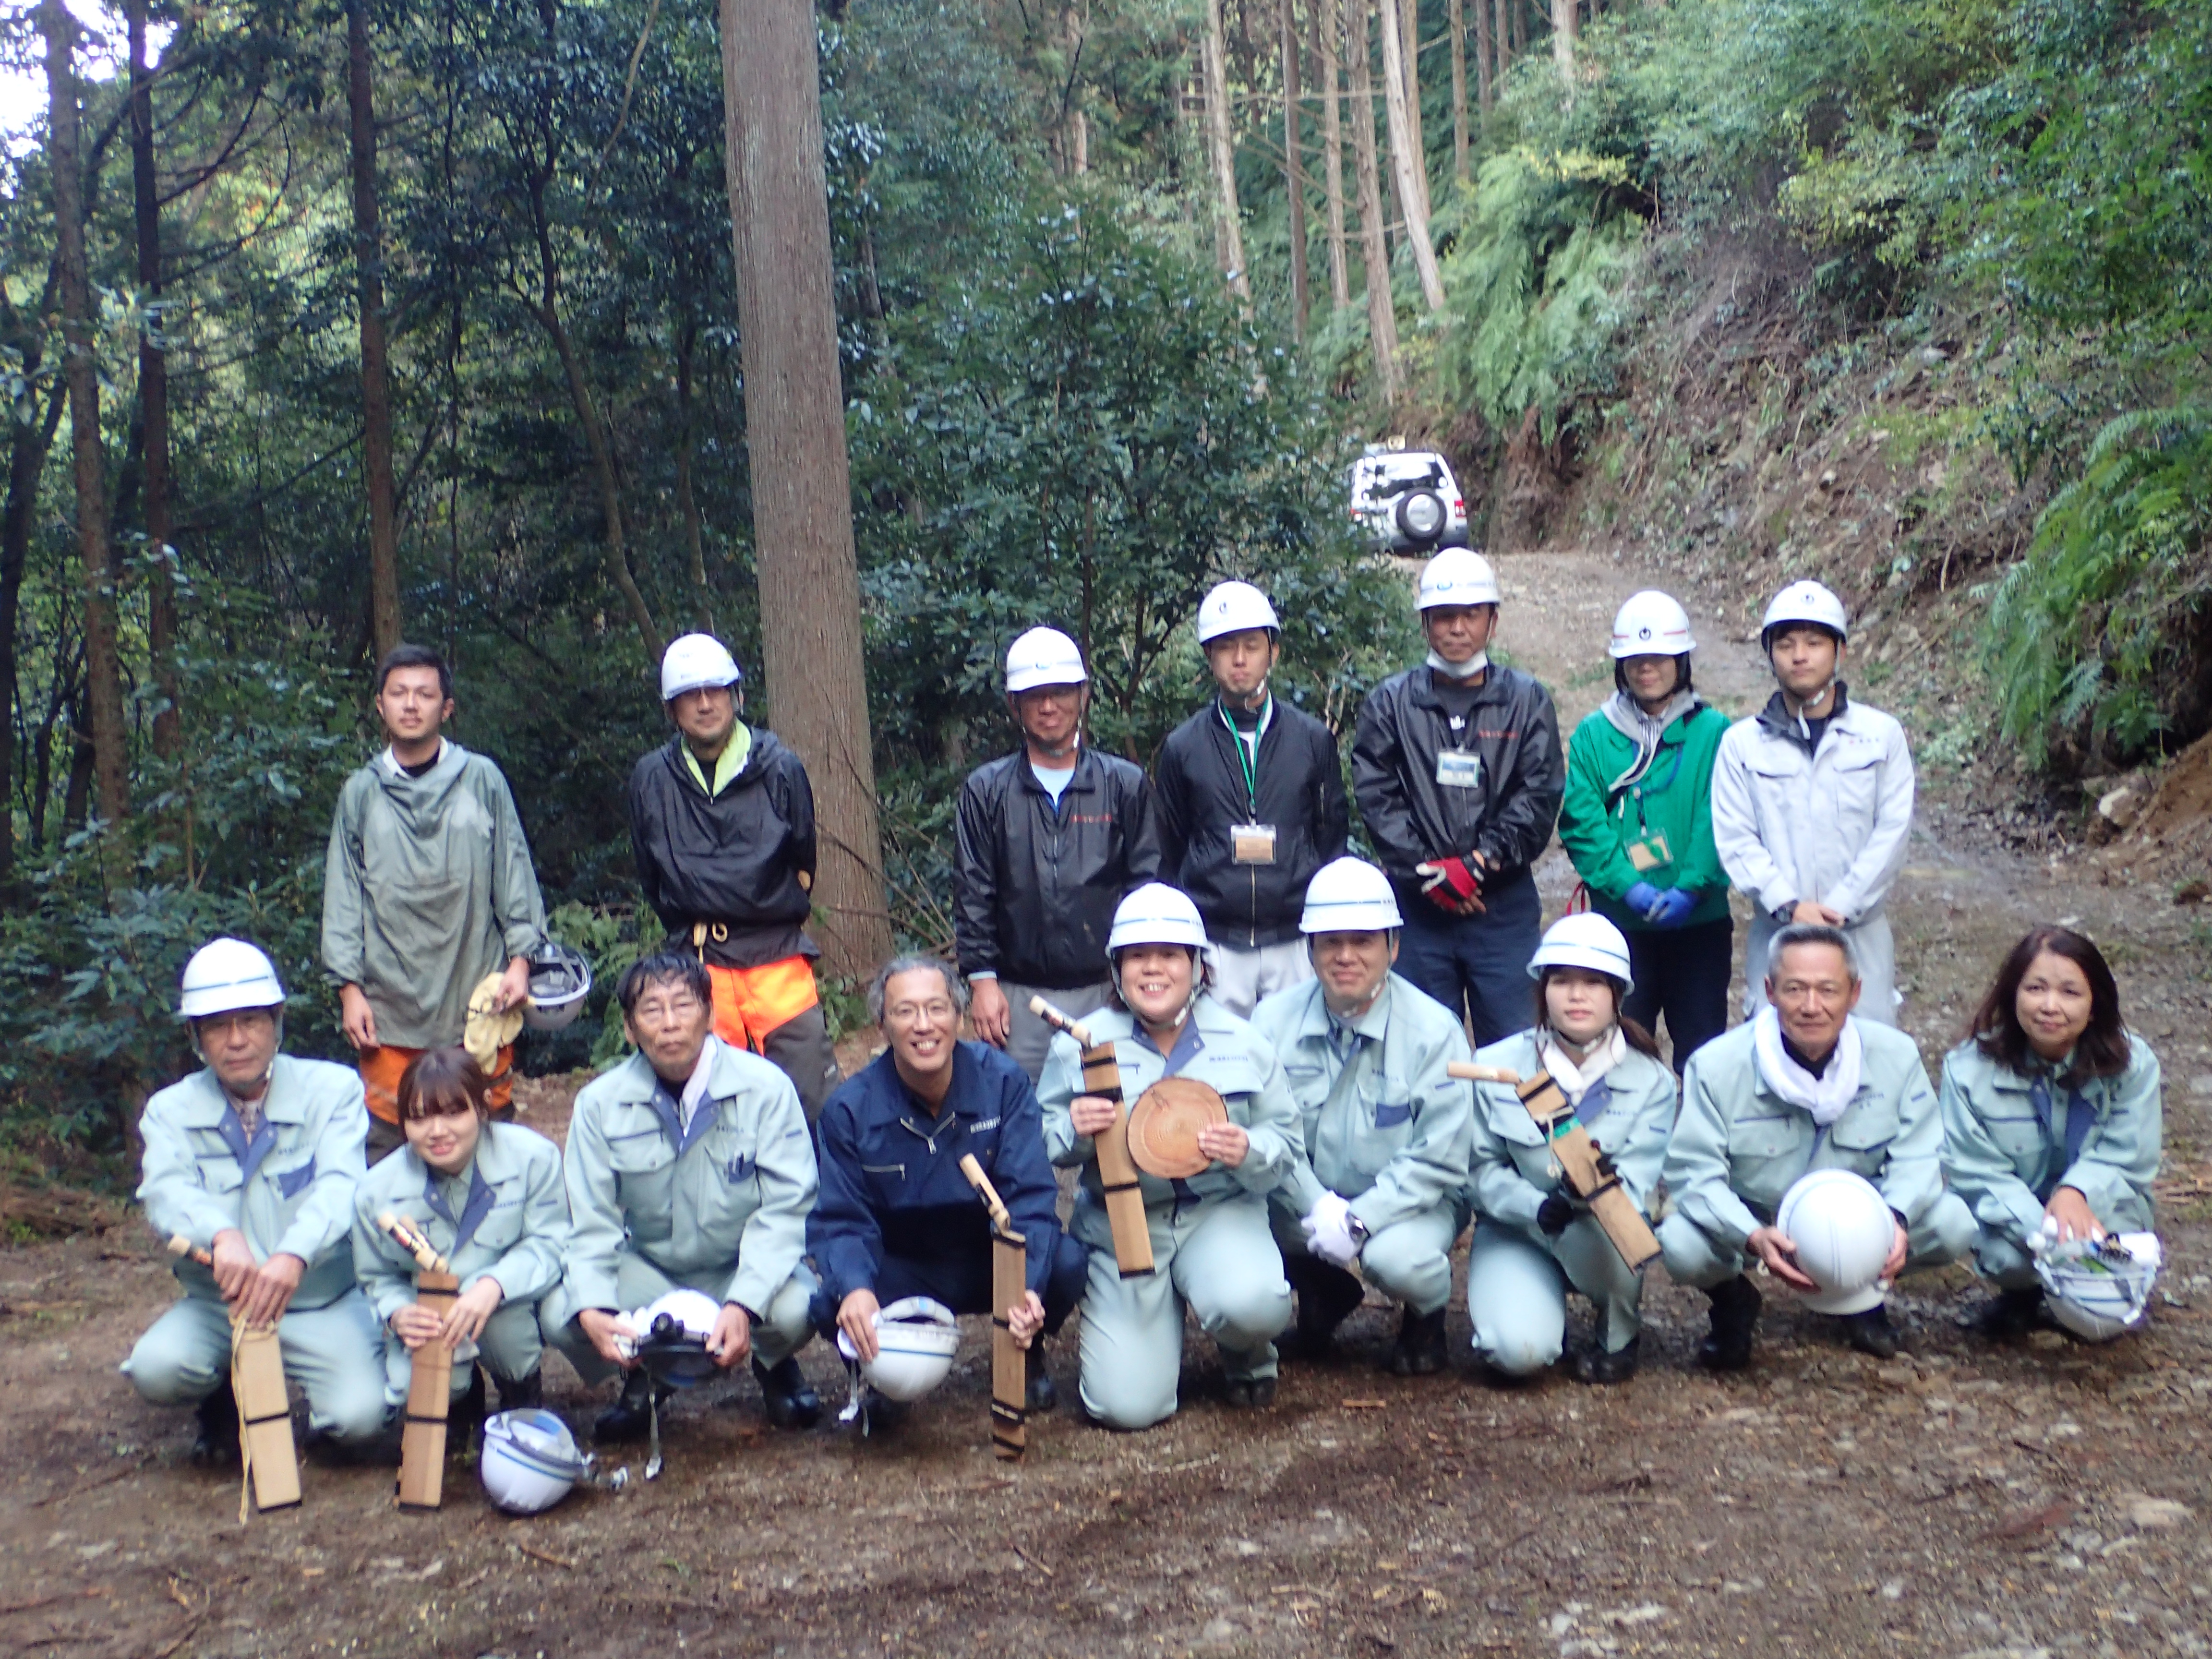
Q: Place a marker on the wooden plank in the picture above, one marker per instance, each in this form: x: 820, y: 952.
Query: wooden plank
x: 1009, y: 1379
x: 257, y: 1378
x: 1117, y: 1170
x: 430, y: 1396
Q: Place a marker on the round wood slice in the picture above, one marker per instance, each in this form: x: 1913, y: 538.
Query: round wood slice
x: 1164, y: 1124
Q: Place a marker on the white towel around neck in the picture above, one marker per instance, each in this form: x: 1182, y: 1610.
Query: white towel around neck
x: 1825, y: 1096
x: 1610, y: 1051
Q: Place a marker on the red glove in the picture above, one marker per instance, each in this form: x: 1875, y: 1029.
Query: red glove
x: 1452, y: 885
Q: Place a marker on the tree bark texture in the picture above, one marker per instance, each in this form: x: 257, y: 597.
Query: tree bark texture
x: 802, y: 492
x: 1382, y: 315
x: 1484, y: 72
x: 1409, y: 35
x: 1459, y: 90
x: 154, y: 394
x: 687, y: 499
x: 26, y: 466
x: 1328, y: 30
x: 1405, y: 164
x: 1563, y: 41
x: 384, y: 620
x: 1222, y: 141
x: 1293, y: 174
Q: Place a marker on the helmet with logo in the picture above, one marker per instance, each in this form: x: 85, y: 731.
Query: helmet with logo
x: 1803, y: 603
x: 1043, y: 656
x: 560, y: 980
x: 1843, y: 1231
x: 669, y: 1338
x: 226, y: 975
x: 1349, y: 896
x: 1651, y: 625
x: 1233, y: 607
x: 1157, y: 913
x: 695, y: 662
x: 1458, y: 575
x: 2097, y: 1289
x: 530, y: 1460
x: 1587, y: 940
x: 915, y: 1340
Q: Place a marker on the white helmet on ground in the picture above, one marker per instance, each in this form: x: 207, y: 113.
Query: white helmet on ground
x: 1349, y: 896
x: 1458, y: 575
x: 668, y: 1337
x: 1843, y: 1230
x: 1804, y: 602
x: 1587, y: 940
x: 1043, y: 656
x: 915, y: 1340
x: 694, y: 662
x: 530, y: 1460
x: 2098, y: 1291
x: 1157, y: 913
x: 226, y: 975
x: 1233, y: 607
x: 560, y: 980
x: 1651, y: 625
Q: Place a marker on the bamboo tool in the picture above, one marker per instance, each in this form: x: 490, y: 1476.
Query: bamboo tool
x: 1010, y: 1365
x: 1588, y: 1170
x: 264, y: 1412
x: 1117, y: 1173
x: 431, y: 1383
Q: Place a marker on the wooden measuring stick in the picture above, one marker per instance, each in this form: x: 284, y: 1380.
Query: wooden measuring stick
x: 1596, y: 1184
x: 265, y: 1410
x: 430, y: 1381
x: 1010, y: 1371
x: 1117, y: 1171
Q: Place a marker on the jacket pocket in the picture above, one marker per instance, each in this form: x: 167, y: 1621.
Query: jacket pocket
x: 501, y: 1227
x: 290, y: 1183
x: 2019, y: 1134
x: 1857, y: 784
x: 738, y: 1168
x: 218, y: 1171
x: 1388, y: 1116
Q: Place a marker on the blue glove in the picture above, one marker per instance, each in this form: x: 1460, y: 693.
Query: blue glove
x: 1643, y: 899
x: 1673, y: 908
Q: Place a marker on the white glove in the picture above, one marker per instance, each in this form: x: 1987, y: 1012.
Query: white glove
x: 1328, y: 1228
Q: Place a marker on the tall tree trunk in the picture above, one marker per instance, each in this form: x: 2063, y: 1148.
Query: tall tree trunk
x: 154, y: 394
x: 1293, y: 174
x: 103, y: 661
x: 1382, y: 315
x: 802, y: 490
x: 375, y: 369
x: 27, y: 465
x: 1409, y: 35
x: 687, y: 499
x: 1406, y: 165
x: 1459, y: 89
x: 1328, y: 26
x: 1563, y: 41
x: 1229, y: 239
x: 1486, y: 73
x: 1516, y: 12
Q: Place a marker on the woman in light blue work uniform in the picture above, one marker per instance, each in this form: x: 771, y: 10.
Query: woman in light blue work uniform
x: 1534, y: 1240
x: 1212, y: 1250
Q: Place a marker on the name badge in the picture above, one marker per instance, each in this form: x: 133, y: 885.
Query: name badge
x: 1649, y: 853
x: 1458, y: 769
x: 1252, y: 844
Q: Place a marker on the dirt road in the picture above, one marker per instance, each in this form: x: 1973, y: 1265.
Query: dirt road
x: 2044, y: 1499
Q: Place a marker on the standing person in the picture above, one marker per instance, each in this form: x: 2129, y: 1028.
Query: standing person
x: 1637, y: 822
x: 428, y: 890
x: 1049, y: 839
x: 1458, y: 773
x: 1251, y: 804
x: 1813, y: 800
x: 722, y: 827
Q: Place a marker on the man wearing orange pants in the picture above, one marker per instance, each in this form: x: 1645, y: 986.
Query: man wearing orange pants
x: 721, y: 825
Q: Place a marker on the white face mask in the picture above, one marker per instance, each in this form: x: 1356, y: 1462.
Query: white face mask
x: 1459, y: 670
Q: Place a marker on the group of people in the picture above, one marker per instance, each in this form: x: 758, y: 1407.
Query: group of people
x: 1207, y: 923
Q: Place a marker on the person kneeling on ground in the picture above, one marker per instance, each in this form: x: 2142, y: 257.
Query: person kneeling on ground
x: 489, y: 1198
x: 1383, y: 1143
x: 2049, y: 1031
x: 689, y: 1166
x: 1211, y: 1248
x: 896, y: 1217
x: 1536, y: 1240
x: 254, y: 1160
x: 1807, y: 1085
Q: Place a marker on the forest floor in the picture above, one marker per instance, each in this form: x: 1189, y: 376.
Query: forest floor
x: 1965, y: 1500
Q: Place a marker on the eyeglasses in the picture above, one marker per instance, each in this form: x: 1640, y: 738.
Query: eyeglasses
x: 915, y: 1013
x: 666, y: 1011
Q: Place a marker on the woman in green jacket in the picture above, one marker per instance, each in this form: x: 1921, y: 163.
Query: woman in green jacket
x: 1637, y: 823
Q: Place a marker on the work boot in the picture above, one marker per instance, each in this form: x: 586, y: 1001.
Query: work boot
x: 1599, y: 1365
x: 526, y: 1393
x: 1420, y: 1350
x: 630, y: 1417
x: 1251, y: 1394
x: 1735, y: 1313
x: 2012, y: 1314
x: 1043, y: 1395
x: 215, y: 1444
x: 790, y: 1398
x: 465, y: 1415
x: 1871, y: 1332
x: 1328, y: 1295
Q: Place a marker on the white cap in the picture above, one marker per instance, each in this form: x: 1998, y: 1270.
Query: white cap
x: 1043, y: 656
x: 1843, y: 1229
x: 1651, y: 624
x: 1350, y: 895
x: 1157, y: 913
x: 1457, y: 575
x: 1805, y: 602
x: 1231, y: 608
x: 226, y: 975
x: 694, y: 662
x: 1585, y: 940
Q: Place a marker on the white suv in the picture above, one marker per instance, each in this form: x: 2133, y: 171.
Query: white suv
x: 1407, y: 500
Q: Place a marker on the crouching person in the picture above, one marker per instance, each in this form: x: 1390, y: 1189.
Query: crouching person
x: 689, y: 1166
x: 489, y: 1198
x: 1383, y: 1143
x: 1536, y: 1241
x: 254, y: 1160
x: 896, y: 1217
x: 1805, y: 1085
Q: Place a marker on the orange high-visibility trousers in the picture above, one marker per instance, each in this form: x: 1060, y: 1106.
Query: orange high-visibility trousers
x: 381, y: 1068
x: 750, y: 1003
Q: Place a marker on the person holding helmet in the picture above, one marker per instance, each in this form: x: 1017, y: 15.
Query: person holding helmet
x: 254, y: 1159
x: 722, y: 827
x: 689, y: 1166
x: 896, y: 1218
x: 1458, y: 773
x: 2052, y: 1122
x: 1049, y: 839
x: 1813, y: 800
x: 1251, y: 804
x: 1535, y: 1240
x: 1805, y: 1085
x: 1637, y: 823
x: 1211, y: 1252
x: 1382, y: 1146
x: 428, y: 892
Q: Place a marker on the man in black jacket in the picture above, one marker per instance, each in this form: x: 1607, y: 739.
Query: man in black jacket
x: 721, y: 825
x: 1050, y: 837
x: 1251, y: 804
x: 1459, y: 774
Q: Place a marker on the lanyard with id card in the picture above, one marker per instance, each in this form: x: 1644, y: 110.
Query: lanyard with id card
x: 1459, y: 768
x: 1250, y: 842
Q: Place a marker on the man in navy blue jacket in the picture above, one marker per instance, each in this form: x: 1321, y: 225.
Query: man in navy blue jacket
x: 895, y: 1218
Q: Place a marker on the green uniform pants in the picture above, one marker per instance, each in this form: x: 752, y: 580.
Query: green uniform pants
x: 1409, y: 1260
x: 510, y: 1348
x: 1693, y: 1256
x: 780, y: 1332
x: 334, y: 1354
x: 1516, y: 1292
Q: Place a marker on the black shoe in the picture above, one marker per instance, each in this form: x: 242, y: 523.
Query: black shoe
x: 1736, y: 1315
x: 1597, y: 1364
x: 1871, y: 1332
x: 2012, y: 1314
x: 790, y: 1398
x: 464, y: 1416
x: 1420, y: 1350
x: 1328, y: 1295
x: 1043, y: 1395
x: 630, y: 1417
x: 1253, y: 1394
x: 527, y: 1393
x: 215, y: 1444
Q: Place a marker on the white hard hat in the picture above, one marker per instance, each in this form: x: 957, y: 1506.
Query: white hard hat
x: 915, y: 1340
x: 1843, y: 1229
x: 2098, y: 1291
x: 694, y: 662
x: 675, y: 1352
x: 1805, y: 602
x: 530, y: 1460
x: 226, y: 974
x: 1231, y: 608
x: 1157, y: 913
x: 1585, y: 940
x: 1651, y: 624
x: 1043, y: 656
x: 1457, y: 575
x: 560, y: 980
x: 1349, y: 896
